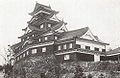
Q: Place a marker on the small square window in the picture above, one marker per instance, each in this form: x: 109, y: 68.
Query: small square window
x: 49, y: 25
x: 87, y: 47
x: 46, y: 38
x: 103, y: 50
x: 70, y: 46
x: 96, y: 49
x: 33, y: 35
x: 59, y: 47
x: 56, y: 37
x: 44, y: 49
x: 39, y: 39
x: 41, y: 26
x: 66, y: 57
x: 34, y: 51
x: 64, y: 46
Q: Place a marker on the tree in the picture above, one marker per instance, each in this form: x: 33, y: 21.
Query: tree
x: 8, y: 69
x: 1, y: 68
x: 36, y: 67
x: 79, y: 72
x: 90, y: 76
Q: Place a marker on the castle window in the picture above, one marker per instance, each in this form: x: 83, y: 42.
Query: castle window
x: 66, y: 57
x: 34, y: 51
x: 27, y: 53
x: 87, y: 47
x: 103, y: 50
x: 96, y: 49
x: 24, y: 55
x: 46, y: 38
x: 22, y: 39
x: 78, y: 46
x: 28, y: 37
x: 41, y: 26
x: 49, y: 25
x: 56, y: 37
x: 39, y: 39
x: 64, y: 46
x: 70, y: 45
x: 33, y: 35
x: 44, y: 49
x: 59, y: 47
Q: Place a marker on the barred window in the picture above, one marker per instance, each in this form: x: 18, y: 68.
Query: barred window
x: 28, y: 37
x: 64, y: 46
x: 46, y: 38
x: 70, y: 45
x: 23, y: 54
x: 59, y: 47
x: 41, y: 26
x: 66, y: 57
x: 78, y: 46
x: 39, y: 39
x: 49, y: 25
x: 96, y: 49
x: 87, y: 47
x: 34, y: 51
x: 103, y: 50
x: 44, y: 49
x: 27, y: 53
x: 33, y: 35
x: 56, y: 37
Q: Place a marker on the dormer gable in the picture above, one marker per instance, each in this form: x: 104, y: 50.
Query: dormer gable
x: 89, y: 35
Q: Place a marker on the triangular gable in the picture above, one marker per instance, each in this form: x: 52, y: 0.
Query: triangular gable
x: 54, y: 17
x: 62, y: 29
x: 48, y: 33
x: 89, y: 35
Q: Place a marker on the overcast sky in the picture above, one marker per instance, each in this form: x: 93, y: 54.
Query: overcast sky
x: 101, y: 16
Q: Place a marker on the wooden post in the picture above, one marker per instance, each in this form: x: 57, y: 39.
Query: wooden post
x: 118, y: 58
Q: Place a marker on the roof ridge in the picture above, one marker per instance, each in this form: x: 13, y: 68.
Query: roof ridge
x: 79, y: 29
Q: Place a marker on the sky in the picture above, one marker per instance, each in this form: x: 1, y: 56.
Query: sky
x: 101, y: 16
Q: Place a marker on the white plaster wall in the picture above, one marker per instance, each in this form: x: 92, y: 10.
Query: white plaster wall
x: 92, y: 45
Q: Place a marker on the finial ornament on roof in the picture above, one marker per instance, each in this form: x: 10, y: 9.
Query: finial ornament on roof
x: 49, y: 6
x: 36, y: 1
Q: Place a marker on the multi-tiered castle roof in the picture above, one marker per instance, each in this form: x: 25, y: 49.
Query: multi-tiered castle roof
x: 46, y: 34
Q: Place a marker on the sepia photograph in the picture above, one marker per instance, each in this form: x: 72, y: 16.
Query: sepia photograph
x: 59, y: 38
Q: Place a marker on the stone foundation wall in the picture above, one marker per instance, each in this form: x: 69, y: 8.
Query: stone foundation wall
x: 34, y: 67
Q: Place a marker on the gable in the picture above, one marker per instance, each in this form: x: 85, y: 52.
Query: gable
x: 88, y: 35
x: 48, y: 33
